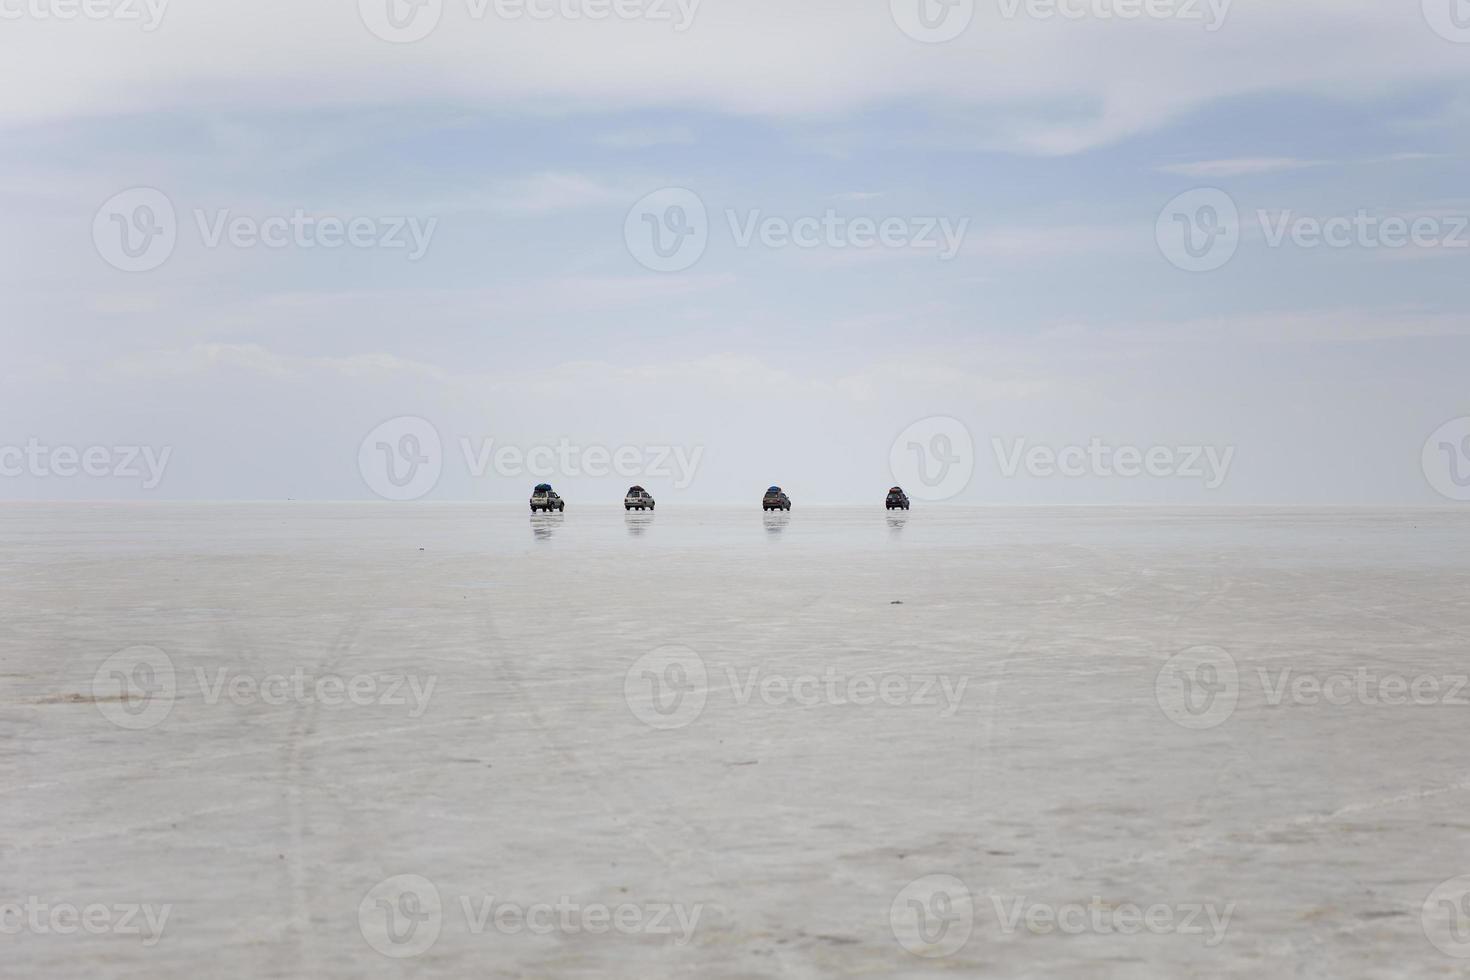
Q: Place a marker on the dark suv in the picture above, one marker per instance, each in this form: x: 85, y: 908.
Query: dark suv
x: 897, y: 499
x: 545, y: 498
x: 775, y: 499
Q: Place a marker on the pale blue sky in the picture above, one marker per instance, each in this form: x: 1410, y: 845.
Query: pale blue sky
x: 529, y: 320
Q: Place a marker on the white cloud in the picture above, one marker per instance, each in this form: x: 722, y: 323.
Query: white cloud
x: 1042, y: 86
x: 204, y: 359
x: 546, y: 192
x: 641, y: 139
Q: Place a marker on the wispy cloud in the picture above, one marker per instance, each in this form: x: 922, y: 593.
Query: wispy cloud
x: 1277, y: 327
x: 640, y: 139
x: 1238, y: 167
x: 547, y: 192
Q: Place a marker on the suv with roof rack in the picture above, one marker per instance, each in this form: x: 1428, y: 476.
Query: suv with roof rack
x: 547, y: 499
x: 639, y: 498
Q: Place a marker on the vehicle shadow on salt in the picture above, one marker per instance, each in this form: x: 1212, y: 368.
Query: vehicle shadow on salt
x: 638, y: 522
x: 544, y: 525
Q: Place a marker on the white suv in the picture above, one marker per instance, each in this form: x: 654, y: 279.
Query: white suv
x: 639, y: 498
x: 547, y: 499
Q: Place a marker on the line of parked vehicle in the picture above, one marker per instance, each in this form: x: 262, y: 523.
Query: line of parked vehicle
x: 544, y: 498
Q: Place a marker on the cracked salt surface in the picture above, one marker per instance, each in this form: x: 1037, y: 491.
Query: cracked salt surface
x: 721, y: 720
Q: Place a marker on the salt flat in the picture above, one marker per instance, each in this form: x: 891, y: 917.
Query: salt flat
x: 337, y: 740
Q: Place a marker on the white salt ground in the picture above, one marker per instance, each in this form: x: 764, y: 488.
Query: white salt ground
x: 315, y: 740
